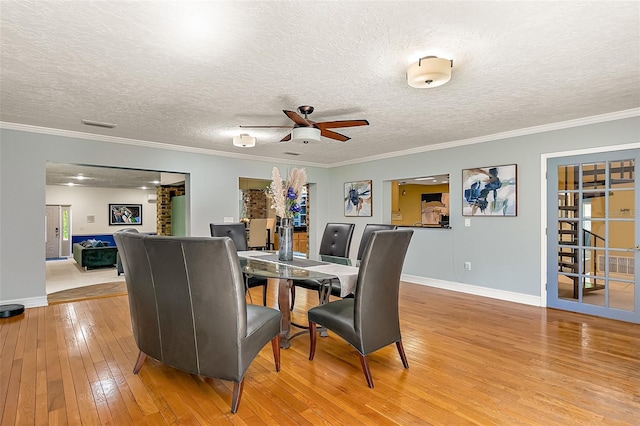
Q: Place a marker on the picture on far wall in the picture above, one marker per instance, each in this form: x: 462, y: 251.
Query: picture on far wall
x: 357, y: 198
x: 434, y: 208
x: 490, y: 191
x: 125, y: 214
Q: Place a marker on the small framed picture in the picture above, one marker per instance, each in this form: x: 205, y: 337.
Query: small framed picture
x: 125, y: 214
x: 358, y: 198
x: 490, y: 191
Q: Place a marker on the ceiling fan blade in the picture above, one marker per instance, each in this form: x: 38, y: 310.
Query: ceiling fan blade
x: 265, y: 127
x: 286, y: 138
x: 341, y: 123
x: 296, y: 118
x: 333, y: 135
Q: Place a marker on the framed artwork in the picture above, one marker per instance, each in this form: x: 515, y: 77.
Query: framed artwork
x: 125, y: 214
x: 434, y: 208
x: 490, y: 191
x: 357, y: 198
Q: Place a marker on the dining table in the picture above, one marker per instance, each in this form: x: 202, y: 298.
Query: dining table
x: 263, y: 263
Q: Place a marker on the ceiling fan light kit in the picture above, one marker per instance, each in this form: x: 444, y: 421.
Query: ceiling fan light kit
x: 306, y: 130
x: 305, y: 134
x: 429, y: 72
x: 244, y: 141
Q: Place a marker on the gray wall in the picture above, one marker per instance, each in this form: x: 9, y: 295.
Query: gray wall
x: 212, y: 187
x: 504, y: 252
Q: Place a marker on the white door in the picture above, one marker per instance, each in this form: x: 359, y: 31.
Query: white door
x: 592, y: 235
x: 52, y: 232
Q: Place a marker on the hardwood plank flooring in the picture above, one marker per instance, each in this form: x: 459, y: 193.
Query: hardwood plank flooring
x: 472, y: 360
x: 95, y: 291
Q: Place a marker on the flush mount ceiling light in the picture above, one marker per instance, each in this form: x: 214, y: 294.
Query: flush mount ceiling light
x: 305, y: 134
x: 244, y: 141
x: 429, y: 72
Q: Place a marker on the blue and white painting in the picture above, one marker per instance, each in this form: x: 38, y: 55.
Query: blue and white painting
x: 357, y: 198
x: 489, y: 191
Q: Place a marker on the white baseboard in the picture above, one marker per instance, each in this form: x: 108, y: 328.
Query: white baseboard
x: 29, y: 302
x: 493, y: 293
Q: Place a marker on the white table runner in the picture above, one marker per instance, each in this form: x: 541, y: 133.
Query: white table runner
x: 348, y: 276
x: 254, y: 253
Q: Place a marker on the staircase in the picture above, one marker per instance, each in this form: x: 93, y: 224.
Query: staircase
x: 593, y: 179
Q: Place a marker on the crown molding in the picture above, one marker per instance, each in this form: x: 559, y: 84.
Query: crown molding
x: 619, y: 115
x: 612, y: 116
x: 148, y: 144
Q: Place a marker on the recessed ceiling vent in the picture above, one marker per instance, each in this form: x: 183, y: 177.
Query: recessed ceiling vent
x: 291, y: 153
x: 98, y: 124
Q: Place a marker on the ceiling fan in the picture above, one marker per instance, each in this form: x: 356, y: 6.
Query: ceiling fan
x: 305, y: 129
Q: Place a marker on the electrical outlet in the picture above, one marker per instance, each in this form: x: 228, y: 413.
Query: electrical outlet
x: 467, y: 266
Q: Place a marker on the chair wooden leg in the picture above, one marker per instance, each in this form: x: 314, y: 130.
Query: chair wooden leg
x: 365, y: 369
x: 141, y: 357
x: 264, y: 295
x: 275, y: 346
x: 403, y: 357
x: 237, y: 395
x: 293, y: 296
x: 312, y: 340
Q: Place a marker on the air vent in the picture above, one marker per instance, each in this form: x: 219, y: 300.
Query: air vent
x: 291, y: 153
x: 617, y: 264
x: 98, y: 124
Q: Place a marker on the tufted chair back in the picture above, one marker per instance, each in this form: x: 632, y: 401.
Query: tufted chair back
x: 236, y: 231
x: 336, y: 240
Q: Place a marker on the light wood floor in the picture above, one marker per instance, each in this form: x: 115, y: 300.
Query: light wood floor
x: 472, y: 360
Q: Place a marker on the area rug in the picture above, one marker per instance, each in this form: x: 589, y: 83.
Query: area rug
x: 95, y: 291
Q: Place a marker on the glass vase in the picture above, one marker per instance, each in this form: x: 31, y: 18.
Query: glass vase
x: 285, y: 240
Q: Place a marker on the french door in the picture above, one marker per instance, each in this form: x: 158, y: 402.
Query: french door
x: 593, y: 237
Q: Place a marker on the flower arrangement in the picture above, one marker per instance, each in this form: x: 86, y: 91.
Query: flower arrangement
x: 285, y: 194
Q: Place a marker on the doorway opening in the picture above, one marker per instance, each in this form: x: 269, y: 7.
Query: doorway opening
x: 90, y: 192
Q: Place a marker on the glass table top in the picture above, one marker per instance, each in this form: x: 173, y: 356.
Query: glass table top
x: 272, y: 268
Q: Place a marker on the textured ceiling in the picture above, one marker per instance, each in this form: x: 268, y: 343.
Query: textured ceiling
x: 189, y: 73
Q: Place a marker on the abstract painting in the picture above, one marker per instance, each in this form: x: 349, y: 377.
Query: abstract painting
x: 357, y: 198
x: 490, y: 191
x: 125, y: 214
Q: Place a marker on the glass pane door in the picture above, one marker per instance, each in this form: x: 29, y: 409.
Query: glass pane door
x: 592, y: 236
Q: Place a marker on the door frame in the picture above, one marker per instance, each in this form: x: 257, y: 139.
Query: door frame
x: 543, y: 202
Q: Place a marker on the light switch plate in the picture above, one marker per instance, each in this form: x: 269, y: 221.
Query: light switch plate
x: 228, y: 219
x: 467, y: 222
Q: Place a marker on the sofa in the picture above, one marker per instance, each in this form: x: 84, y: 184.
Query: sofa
x: 89, y: 255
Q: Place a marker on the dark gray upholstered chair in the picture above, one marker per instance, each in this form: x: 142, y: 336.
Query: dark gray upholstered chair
x: 336, y: 241
x: 369, y: 229
x: 238, y: 234
x: 188, y: 307
x: 236, y: 231
x: 370, y: 320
